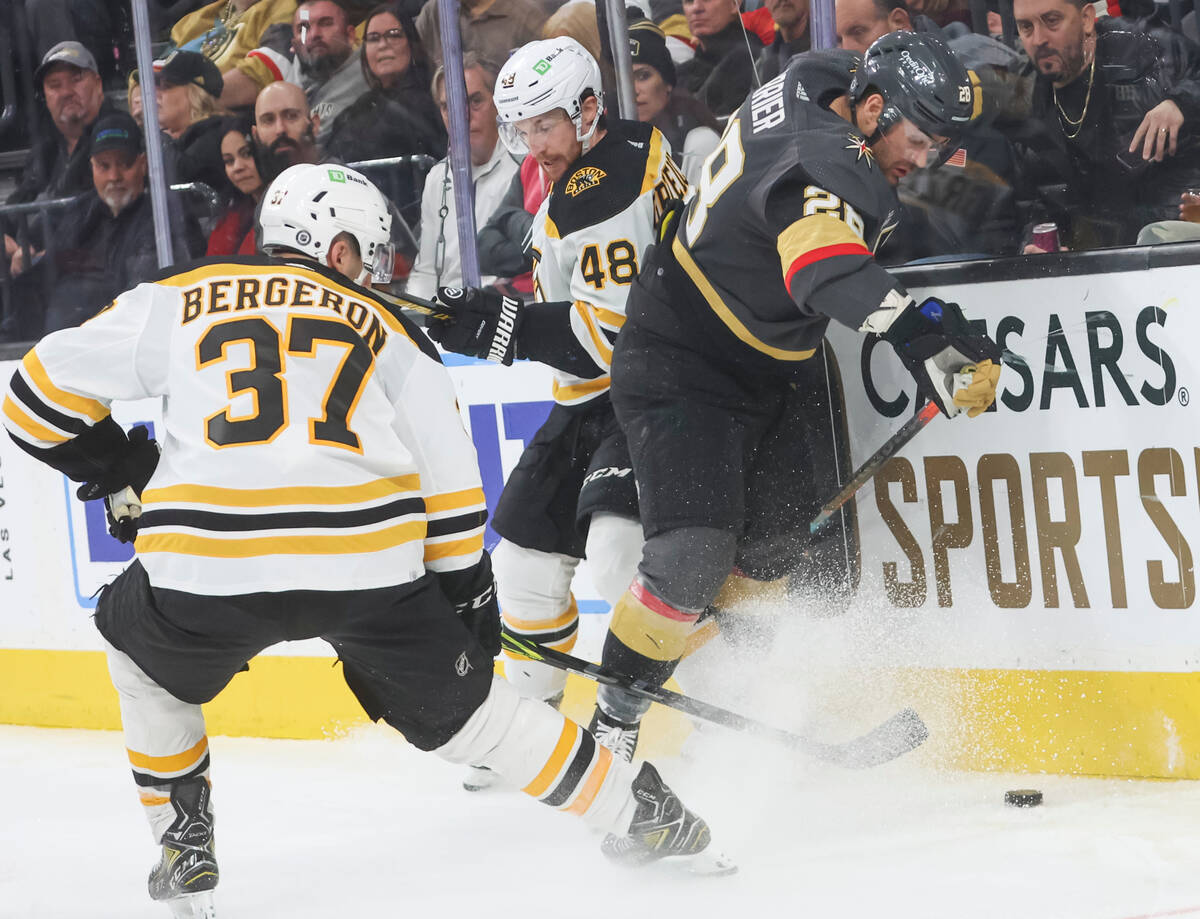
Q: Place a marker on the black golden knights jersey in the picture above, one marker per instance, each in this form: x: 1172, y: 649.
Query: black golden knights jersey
x: 589, y: 241
x: 781, y: 232
x: 310, y: 436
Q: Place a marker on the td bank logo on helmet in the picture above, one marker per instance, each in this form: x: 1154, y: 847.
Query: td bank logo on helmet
x: 541, y: 66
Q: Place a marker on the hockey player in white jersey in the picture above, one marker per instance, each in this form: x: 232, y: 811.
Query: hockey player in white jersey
x: 315, y: 480
x: 572, y: 494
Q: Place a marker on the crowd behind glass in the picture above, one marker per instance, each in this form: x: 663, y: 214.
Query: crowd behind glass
x: 1084, y: 137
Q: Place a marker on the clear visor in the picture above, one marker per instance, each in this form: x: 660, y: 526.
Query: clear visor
x: 519, y: 136
x: 381, y: 266
x: 924, y: 149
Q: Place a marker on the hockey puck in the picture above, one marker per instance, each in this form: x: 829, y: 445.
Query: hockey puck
x: 1023, y: 797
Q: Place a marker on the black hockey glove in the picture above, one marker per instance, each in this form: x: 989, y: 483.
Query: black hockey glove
x: 954, y: 367
x: 484, y: 323
x: 473, y: 593
x: 122, y: 483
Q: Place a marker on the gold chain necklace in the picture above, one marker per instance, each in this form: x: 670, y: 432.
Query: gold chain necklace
x: 1077, y: 124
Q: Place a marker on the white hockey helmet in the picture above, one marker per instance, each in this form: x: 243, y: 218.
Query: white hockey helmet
x: 307, y: 206
x: 543, y: 76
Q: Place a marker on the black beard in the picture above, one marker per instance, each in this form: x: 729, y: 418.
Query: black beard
x: 284, y: 152
x: 322, y: 68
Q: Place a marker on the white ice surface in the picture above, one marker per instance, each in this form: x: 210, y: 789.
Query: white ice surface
x: 366, y: 826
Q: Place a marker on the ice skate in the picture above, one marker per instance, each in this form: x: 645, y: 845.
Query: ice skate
x: 663, y: 828
x: 480, y: 778
x: 187, y: 871
x: 619, y: 736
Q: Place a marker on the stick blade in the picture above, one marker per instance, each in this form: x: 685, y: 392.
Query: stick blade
x: 900, y: 734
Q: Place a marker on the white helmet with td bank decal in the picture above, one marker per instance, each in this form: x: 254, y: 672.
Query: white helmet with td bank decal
x: 307, y: 207
x: 543, y: 76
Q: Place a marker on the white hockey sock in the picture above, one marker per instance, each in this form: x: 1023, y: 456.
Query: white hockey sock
x: 535, y: 601
x: 548, y: 756
x: 164, y: 737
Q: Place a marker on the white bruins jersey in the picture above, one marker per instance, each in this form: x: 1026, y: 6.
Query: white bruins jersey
x: 590, y: 237
x: 310, y: 436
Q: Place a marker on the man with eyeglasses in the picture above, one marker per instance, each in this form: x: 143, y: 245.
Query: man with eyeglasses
x: 492, y: 169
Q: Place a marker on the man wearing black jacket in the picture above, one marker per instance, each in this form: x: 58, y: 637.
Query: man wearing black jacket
x: 106, y: 243
x: 722, y: 72
x: 1119, y: 106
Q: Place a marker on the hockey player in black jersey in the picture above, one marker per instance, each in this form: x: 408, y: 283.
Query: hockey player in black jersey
x: 315, y: 480
x: 572, y: 493
x: 721, y: 348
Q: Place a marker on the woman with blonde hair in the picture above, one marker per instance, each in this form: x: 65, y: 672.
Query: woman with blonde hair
x: 187, y: 87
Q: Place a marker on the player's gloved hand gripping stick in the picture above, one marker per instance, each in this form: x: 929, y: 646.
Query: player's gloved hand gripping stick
x: 482, y: 322
x: 954, y: 368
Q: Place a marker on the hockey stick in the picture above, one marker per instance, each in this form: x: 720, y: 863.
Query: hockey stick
x: 874, y: 462
x: 412, y: 302
x: 894, y: 444
x: 903, y: 732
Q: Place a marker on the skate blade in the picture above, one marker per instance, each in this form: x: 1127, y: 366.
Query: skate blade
x: 479, y: 778
x: 193, y: 906
x: 711, y: 863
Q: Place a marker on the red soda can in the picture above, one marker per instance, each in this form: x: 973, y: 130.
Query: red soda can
x: 1045, y: 237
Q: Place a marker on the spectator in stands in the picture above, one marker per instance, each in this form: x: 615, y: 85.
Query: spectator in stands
x: 234, y: 230
x: 326, y: 62
x: 107, y: 244
x: 187, y: 87
x: 860, y: 22
x: 791, y: 36
x: 58, y: 163
x: 397, y: 116
x: 501, y: 241
x: 690, y: 128
x: 133, y: 98
x: 284, y: 130
x: 491, y: 28
x: 438, y: 262
x: 722, y: 72
x: 226, y: 32
x: 1119, y: 112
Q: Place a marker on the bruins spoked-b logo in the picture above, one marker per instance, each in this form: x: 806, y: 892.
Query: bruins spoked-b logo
x: 585, y: 178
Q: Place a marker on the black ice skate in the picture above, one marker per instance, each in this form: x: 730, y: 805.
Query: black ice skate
x: 187, y: 872
x: 663, y: 828
x: 619, y: 736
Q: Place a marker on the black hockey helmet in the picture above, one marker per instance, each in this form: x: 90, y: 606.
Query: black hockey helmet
x: 920, y: 79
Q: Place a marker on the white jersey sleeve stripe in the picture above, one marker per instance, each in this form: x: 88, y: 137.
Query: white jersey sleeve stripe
x: 570, y: 393
x: 29, y: 430
x: 61, y: 399
x: 593, y: 341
